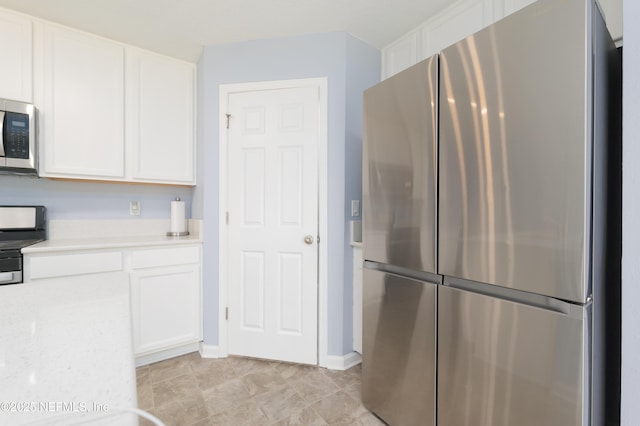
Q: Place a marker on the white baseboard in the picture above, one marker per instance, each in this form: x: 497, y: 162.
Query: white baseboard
x: 166, y: 354
x: 334, y: 362
x: 210, y: 351
x: 344, y: 362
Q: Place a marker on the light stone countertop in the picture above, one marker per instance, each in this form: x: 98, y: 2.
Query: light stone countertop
x: 66, y: 351
x: 70, y: 244
x: 70, y: 235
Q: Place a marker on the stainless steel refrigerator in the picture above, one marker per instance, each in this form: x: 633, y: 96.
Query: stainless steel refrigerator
x: 399, y: 238
x: 529, y: 211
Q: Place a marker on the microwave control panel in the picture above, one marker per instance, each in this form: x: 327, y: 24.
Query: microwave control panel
x: 16, y: 135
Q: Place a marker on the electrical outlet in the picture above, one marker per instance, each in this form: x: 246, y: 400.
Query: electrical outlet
x: 134, y: 208
x: 355, y: 208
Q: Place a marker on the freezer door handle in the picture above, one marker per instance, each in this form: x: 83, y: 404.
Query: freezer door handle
x: 517, y: 296
x: 404, y: 272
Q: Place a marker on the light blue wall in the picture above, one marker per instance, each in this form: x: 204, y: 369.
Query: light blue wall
x: 630, y: 410
x: 363, y: 71
x: 336, y: 56
x: 90, y: 200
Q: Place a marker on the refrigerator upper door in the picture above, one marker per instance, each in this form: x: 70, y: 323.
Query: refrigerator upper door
x: 502, y: 363
x: 515, y: 152
x: 400, y: 169
x: 399, y: 348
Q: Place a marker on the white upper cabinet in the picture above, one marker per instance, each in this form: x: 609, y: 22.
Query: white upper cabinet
x: 511, y: 6
x: 448, y: 28
x: 16, y: 76
x: 458, y: 21
x: 82, y: 114
x: 461, y: 19
x: 612, y: 10
x: 160, y: 118
x: 111, y: 112
x: 400, y: 55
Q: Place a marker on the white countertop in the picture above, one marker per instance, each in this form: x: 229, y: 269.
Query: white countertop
x: 66, y: 351
x: 108, y: 243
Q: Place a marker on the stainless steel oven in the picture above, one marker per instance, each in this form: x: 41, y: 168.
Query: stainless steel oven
x: 20, y: 226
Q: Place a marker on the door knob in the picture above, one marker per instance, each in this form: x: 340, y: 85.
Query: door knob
x: 308, y: 239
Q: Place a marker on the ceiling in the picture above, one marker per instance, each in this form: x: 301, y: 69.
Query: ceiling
x: 180, y: 28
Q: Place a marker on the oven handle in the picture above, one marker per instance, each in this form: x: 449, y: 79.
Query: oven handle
x: 2, y: 154
x: 6, y: 278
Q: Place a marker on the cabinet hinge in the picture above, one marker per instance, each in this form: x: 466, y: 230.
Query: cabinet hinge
x: 226, y: 313
x: 228, y: 119
x: 227, y: 218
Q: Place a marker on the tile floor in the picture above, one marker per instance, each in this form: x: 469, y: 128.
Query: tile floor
x: 190, y: 390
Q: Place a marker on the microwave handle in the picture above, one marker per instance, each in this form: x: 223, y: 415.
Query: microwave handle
x: 2, y: 134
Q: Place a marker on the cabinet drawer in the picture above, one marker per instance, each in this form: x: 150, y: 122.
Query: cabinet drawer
x: 74, y: 264
x: 164, y: 257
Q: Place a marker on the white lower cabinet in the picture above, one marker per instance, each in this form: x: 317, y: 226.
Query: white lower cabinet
x: 165, y: 306
x: 166, y: 291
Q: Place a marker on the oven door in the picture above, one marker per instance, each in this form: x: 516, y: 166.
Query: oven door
x: 10, y: 267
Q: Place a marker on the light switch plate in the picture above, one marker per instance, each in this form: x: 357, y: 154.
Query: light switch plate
x: 355, y: 208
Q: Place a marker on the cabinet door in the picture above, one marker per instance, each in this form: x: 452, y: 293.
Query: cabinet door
x: 450, y: 26
x: 83, y: 114
x: 166, y: 307
x: 511, y: 6
x: 160, y: 118
x: 400, y: 55
x: 16, y: 76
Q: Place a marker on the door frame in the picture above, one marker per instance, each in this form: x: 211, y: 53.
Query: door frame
x: 226, y: 90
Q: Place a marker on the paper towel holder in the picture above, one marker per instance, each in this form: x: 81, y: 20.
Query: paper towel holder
x: 177, y: 234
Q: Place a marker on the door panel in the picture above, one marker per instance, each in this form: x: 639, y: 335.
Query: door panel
x: 502, y: 363
x: 400, y: 153
x: 398, y: 348
x: 273, y: 206
x: 252, y: 298
x: 514, y: 153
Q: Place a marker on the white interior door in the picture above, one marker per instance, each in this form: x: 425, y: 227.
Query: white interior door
x: 273, y: 224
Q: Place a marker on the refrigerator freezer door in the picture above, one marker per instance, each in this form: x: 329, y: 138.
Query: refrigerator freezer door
x: 399, y: 348
x: 400, y: 169
x: 502, y: 363
x: 515, y: 153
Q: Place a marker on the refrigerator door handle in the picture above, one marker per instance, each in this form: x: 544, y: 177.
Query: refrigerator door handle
x: 518, y: 296
x: 403, y: 272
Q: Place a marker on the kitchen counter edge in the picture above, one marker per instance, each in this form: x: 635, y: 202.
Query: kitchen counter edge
x: 61, y: 245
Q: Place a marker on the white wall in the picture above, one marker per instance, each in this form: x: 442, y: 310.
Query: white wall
x: 630, y: 415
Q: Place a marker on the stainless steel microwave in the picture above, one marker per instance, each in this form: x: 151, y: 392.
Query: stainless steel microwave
x: 18, y: 145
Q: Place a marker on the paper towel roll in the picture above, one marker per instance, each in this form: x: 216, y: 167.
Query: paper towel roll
x: 178, y: 221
